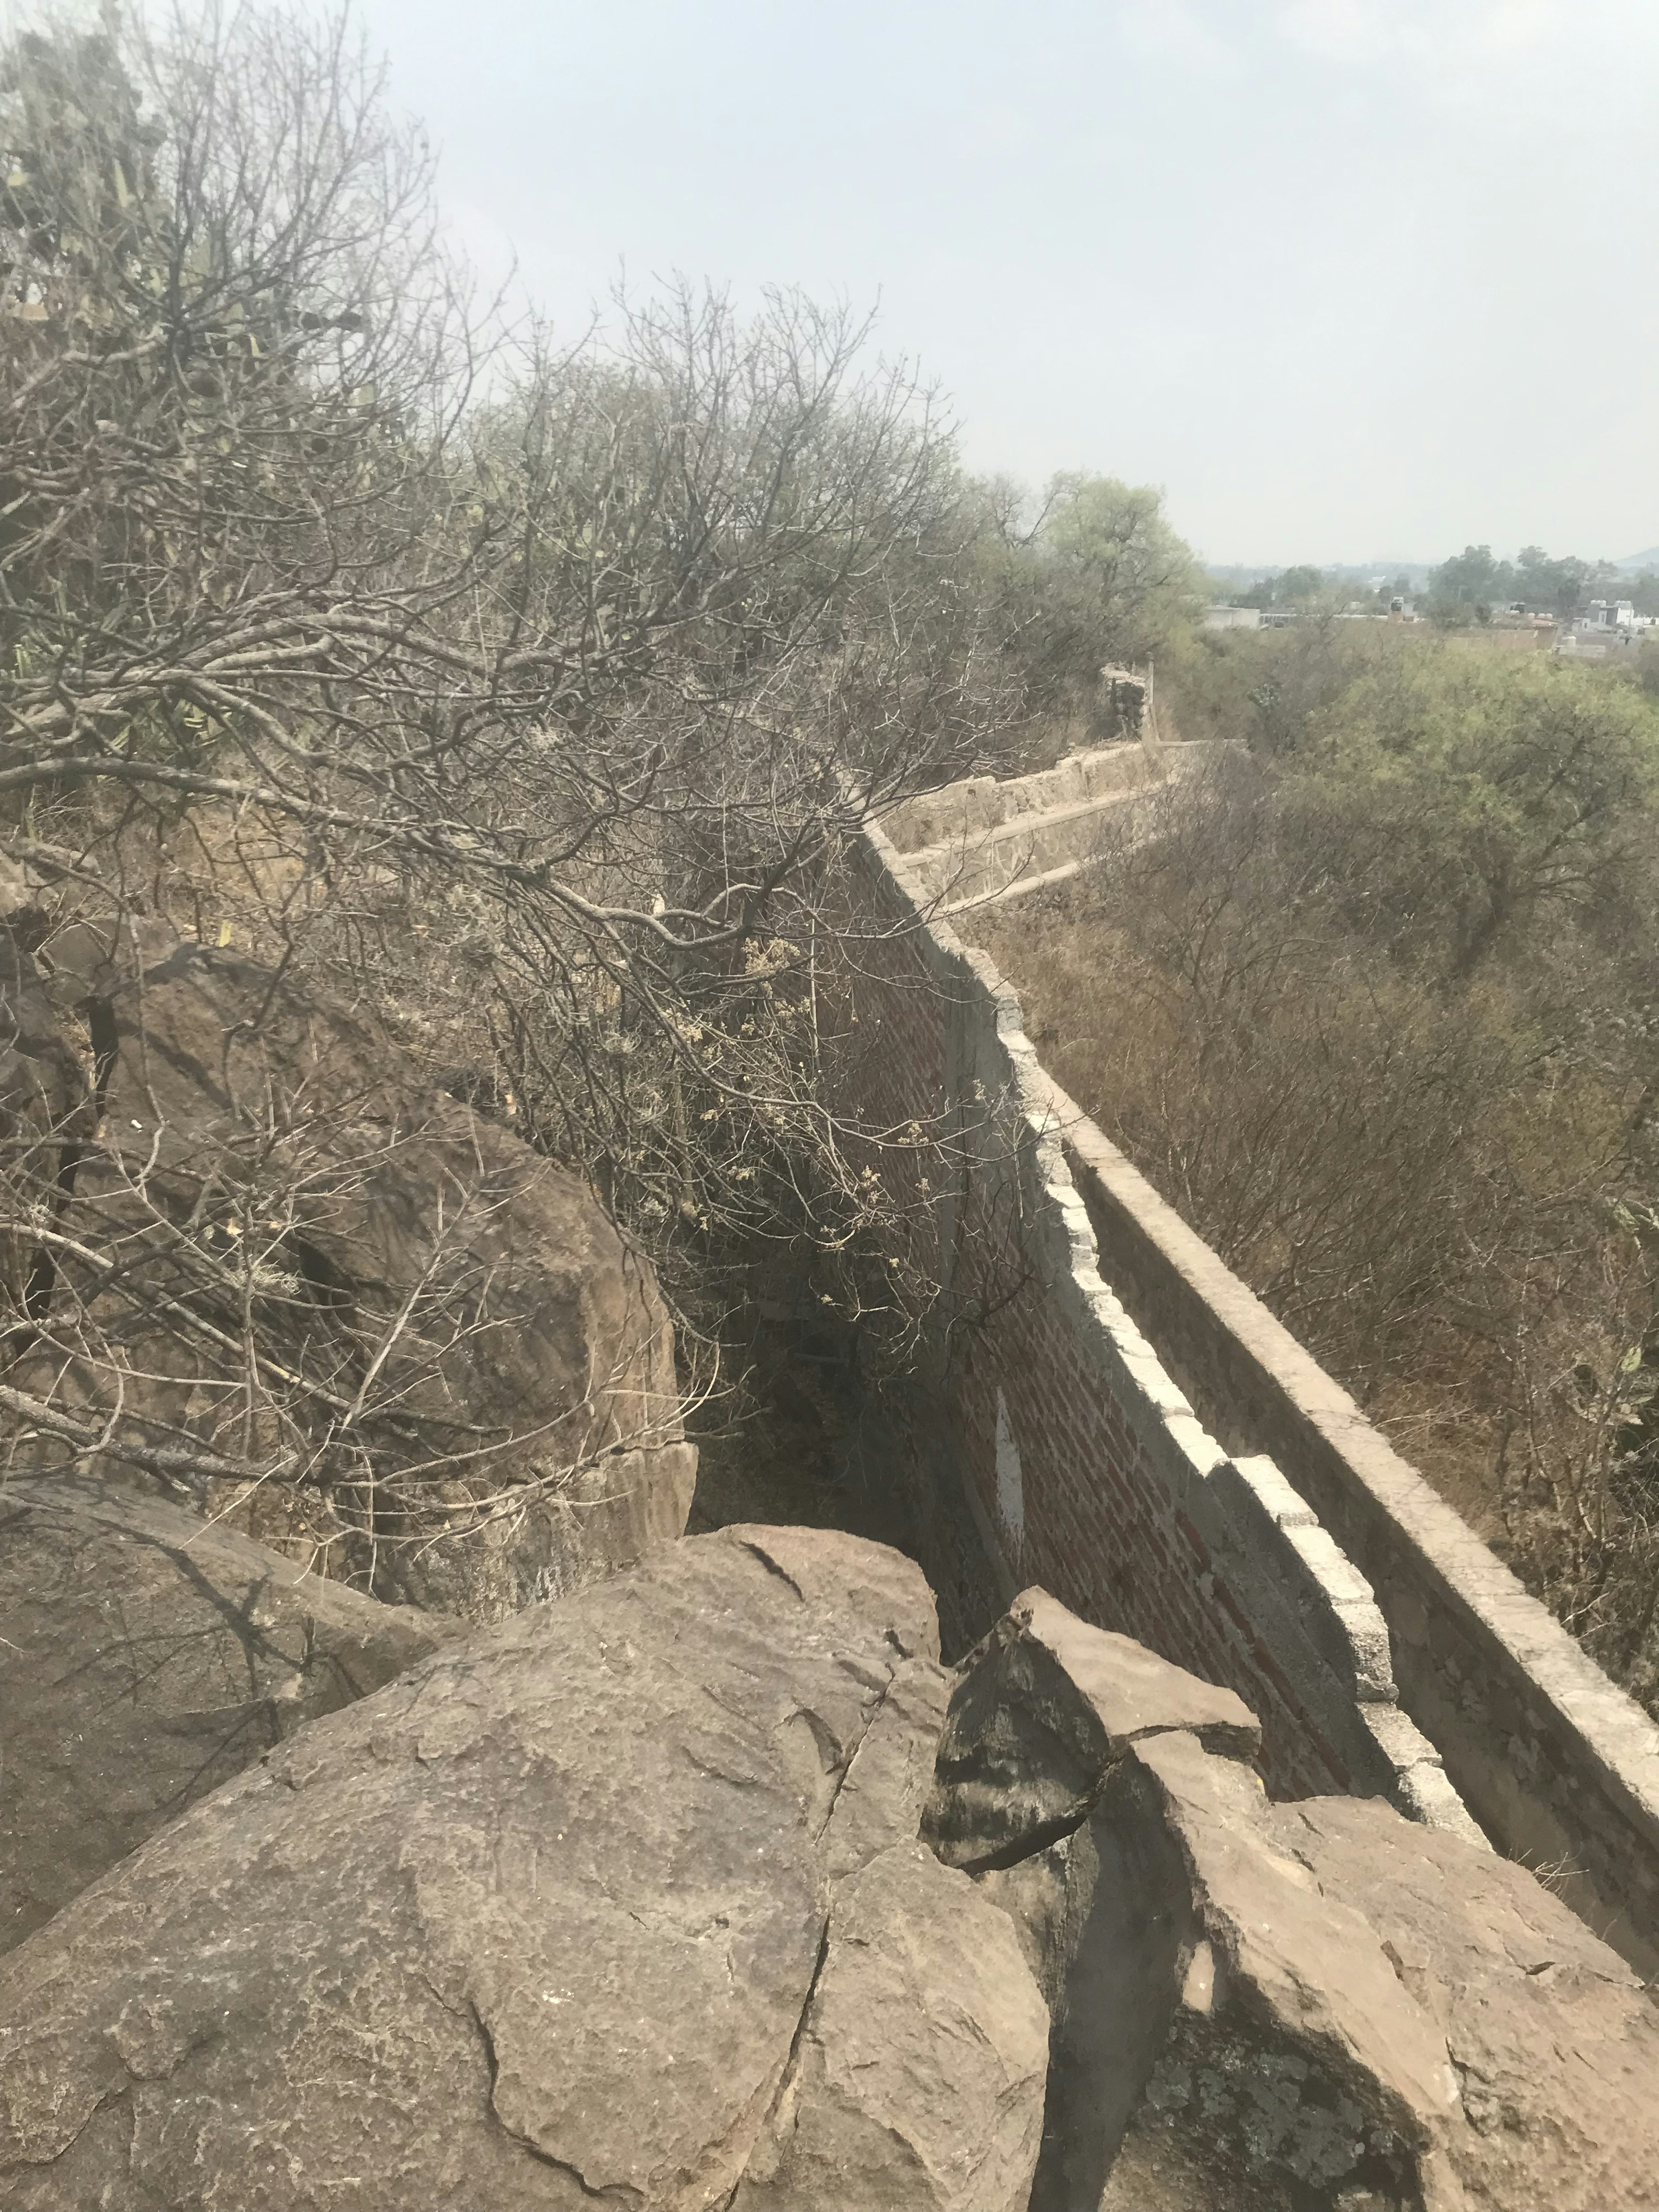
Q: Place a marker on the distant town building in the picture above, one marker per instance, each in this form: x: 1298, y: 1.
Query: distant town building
x: 1233, y: 618
x: 1611, y: 614
x: 1605, y: 630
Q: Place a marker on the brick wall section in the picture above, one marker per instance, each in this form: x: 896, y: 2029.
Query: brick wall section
x: 1129, y: 1512
x: 1559, y: 1766
x: 1307, y: 1569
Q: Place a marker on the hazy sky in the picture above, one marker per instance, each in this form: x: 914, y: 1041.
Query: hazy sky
x: 1350, y: 279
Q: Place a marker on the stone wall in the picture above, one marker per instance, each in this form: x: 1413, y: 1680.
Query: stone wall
x: 981, y: 840
x: 1114, y: 1416
x: 1055, y: 1447
x: 1560, y: 1767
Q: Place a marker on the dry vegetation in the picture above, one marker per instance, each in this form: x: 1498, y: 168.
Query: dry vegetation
x: 1375, y: 1004
x: 515, y: 693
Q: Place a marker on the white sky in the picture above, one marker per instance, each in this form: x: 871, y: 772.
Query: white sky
x: 1350, y: 279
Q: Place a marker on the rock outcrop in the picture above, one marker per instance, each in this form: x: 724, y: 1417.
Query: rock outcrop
x: 145, y: 1658
x: 1045, y: 1706
x: 621, y: 1900
x: 1553, y: 2041
x: 1309, y: 2007
x: 913, y: 2082
x: 219, y: 1148
x: 625, y: 1899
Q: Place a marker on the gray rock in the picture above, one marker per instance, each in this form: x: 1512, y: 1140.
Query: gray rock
x: 520, y: 1349
x: 1369, y: 2013
x: 918, y: 2079
x: 1043, y: 1709
x: 145, y: 1658
x: 1102, y: 1924
x: 1554, y: 2042
x: 1311, y: 2007
x: 538, y: 1923
x: 1296, y: 2069
x: 887, y: 1784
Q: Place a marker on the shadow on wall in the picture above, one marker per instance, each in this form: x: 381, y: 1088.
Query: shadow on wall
x: 802, y: 1438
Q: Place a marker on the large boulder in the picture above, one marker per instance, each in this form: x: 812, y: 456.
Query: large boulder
x: 1043, y: 1709
x: 1553, y: 2040
x: 1318, y: 2007
x: 620, y: 1899
x: 918, y: 2077
x: 145, y: 1658
x: 273, y: 1238
x: 1293, y: 2068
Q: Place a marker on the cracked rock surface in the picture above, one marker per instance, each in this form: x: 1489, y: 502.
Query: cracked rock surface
x: 1042, y: 1707
x: 1318, y: 2007
x: 145, y: 1658
x: 1553, y: 2040
x: 919, y: 2077
x: 567, y: 1912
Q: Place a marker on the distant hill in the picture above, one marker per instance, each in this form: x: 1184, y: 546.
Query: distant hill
x: 1633, y: 563
x: 1246, y: 572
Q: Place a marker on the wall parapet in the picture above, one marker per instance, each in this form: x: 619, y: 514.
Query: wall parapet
x: 1187, y: 1473
x: 1248, y: 1588
x: 1559, y: 1766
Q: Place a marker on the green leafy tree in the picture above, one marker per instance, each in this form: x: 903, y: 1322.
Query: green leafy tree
x: 1559, y: 587
x: 1469, y: 585
x: 1298, y: 584
x: 1465, y: 797
x: 1100, y: 580
x: 1116, y: 558
x: 1258, y: 594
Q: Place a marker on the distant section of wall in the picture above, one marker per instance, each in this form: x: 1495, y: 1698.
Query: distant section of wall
x: 1055, y: 1435
x: 1114, y: 1415
x: 977, y: 840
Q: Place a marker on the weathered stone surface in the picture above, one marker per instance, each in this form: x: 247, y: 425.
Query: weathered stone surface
x: 1043, y: 1707
x: 1371, y: 2013
x: 1316, y: 2007
x: 1295, y: 2062
x: 145, y: 1658
x: 522, y: 1346
x: 887, y: 1784
x: 1102, y: 1921
x: 1554, y: 2041
x: 1043, y: 1712
x: 537, y: 1922
x: 919, y: 2077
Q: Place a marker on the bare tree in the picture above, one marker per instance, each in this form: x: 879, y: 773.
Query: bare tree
x: 522, y: 693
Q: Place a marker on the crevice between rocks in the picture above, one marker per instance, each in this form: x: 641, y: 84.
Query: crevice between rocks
x: 790, y: 2071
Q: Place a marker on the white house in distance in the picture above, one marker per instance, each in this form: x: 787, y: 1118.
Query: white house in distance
x: 1613, y: 614
x: 1232, y: 617
x: 1607, y: 628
